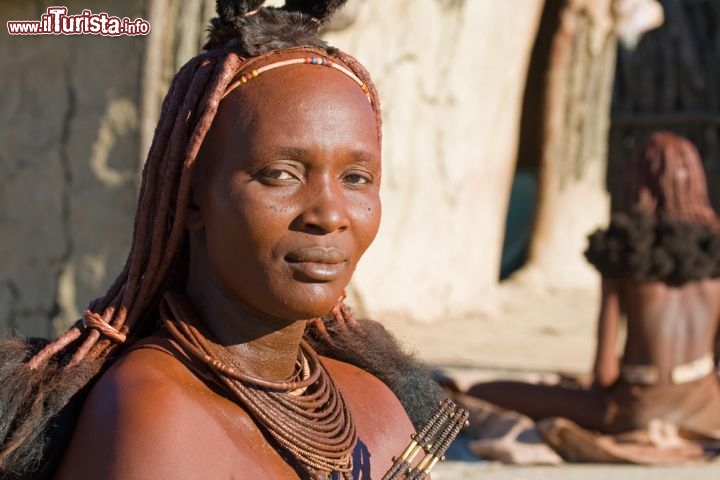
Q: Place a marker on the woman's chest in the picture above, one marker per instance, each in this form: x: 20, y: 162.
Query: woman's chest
x: 235, y: 447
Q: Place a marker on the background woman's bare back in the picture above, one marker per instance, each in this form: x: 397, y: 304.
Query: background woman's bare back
x: 670, y: 326
x: 666, y: 327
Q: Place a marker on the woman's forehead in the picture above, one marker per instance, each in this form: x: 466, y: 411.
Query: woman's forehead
x: 301, y: 108
x: 299, y: 97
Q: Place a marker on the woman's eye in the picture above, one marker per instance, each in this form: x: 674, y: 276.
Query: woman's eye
x: 279, y: 175
x: 357, y: 179
x: 276, y: 175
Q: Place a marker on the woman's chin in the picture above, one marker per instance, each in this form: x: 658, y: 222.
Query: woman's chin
x: 308, y: 312
x: 318, y: 302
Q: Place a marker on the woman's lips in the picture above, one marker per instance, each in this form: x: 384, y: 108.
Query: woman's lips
x: 329, y: 255
x: 316, y: 264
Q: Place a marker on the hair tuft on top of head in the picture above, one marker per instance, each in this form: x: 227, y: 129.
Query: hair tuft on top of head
x: 250, y: 29
x: 230, y: 9
x: 320, y: 10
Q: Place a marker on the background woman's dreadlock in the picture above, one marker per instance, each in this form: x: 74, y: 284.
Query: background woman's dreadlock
x: 667, y: 230
x: 44, y: 383
x: 666, y: 178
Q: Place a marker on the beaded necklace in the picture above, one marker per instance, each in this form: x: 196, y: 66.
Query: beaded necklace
x: 306, y: 414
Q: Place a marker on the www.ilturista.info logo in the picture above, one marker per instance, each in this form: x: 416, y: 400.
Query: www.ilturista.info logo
x: 57, y: 22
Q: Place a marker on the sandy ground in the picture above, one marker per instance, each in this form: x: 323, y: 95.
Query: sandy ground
x: 533, y: 329
x: 534, y: 334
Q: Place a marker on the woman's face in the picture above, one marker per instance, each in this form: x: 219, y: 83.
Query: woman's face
x: 287, y: 191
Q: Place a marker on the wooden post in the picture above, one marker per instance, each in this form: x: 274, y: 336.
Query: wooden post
x: 571, y: 193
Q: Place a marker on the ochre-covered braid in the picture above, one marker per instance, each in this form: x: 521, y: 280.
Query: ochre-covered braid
x: 160, y: 217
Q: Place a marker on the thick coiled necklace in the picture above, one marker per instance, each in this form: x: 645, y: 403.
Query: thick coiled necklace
x: 306, y: 414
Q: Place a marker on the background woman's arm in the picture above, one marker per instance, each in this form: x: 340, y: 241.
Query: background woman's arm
x: 607, y: 366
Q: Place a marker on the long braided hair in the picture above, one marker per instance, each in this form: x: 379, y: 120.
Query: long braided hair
x: 666, y: 229
x: 44, y: 383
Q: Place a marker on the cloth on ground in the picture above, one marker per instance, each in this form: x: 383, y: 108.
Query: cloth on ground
x: 503, y: 435
x: 513, y: 438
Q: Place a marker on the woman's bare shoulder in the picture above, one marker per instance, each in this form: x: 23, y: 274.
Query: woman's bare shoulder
x: 146, y: 384
x: 148, y: 416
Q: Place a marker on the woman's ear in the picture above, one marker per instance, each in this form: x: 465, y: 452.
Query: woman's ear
x: 193, y: 219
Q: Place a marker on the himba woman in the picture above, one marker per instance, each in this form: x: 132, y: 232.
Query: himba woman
x: 660, y: 265
x: 203, y: 359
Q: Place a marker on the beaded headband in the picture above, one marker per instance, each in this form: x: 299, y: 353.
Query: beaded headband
x: 326, y: 62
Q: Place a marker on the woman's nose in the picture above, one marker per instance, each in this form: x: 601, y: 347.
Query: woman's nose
x: 325, y: 206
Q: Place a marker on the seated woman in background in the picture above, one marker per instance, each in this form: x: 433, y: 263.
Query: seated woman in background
x: 660, y: 264
x: 224, y: 348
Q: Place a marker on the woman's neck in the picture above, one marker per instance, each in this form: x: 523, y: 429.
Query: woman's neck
x: 263, y: 346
